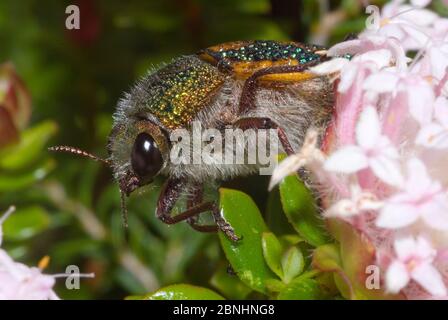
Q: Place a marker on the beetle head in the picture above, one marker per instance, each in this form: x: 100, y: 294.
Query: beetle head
x: 138, y: 151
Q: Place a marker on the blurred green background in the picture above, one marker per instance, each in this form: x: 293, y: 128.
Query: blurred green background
x: 68, y: 207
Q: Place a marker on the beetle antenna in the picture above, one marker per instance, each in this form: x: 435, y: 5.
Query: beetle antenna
x: 124, y: 209
x: 79, y: 152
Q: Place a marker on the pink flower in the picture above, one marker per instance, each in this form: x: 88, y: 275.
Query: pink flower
x: 20, y: 282
x: 372, y: 150
x: 390, y: 117
x: 421, y: 197
x: 409, y: 24
x: 369, y: 44
x: 437, y: 57
x: 440, y: 28
x: 308, y: 154
x: 414, y: 261
x: 435, y: 134
x: 360, y: 201
x: 420, y: 3
x: 417, y: 91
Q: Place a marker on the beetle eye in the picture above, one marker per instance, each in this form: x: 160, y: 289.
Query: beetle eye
x: 146, y: 159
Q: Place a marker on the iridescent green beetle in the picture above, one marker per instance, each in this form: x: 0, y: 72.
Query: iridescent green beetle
x: 246, y: 84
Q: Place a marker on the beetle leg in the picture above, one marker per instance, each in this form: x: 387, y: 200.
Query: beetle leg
x: 247, y: 99
x: 171, y: 193
x: 223, y: 225
x: 193, y: 222
x: 265, y: 123
x: 193, y: 201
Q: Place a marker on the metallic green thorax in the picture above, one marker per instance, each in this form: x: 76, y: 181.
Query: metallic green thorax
x: 183, y: 88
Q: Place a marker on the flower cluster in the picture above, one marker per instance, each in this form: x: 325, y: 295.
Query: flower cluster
x: 18, y: 281
x: 382, y: 165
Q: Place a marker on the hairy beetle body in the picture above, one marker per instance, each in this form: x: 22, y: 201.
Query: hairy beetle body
x: 241, y: 85
x: 207, y: 88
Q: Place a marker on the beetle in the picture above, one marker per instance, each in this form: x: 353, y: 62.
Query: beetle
x: 257, y: 85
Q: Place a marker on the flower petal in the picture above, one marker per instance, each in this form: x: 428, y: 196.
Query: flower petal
x: 342, y: 208
x: 424, y: 249
x: 441, y: 110
x: 349, y: 159
x: 433, y: 136
x: 420, y: 3
x: 438, y: 57
x: 350, y: 47
x: 329, y: 67
x: 381, y: 82
x: 397, y: 277
x: 368, y: 201
x: 381, y: 57
x: 436, y: 213
x: 418, y: 181
x: 396, y: 215
x: 368, y: 130
x: 420, y: 99
x: 288, y: 166
x: 405, y: 247
x: 348, y: 76
x: 420, y: 17
x: 429, y: 278
x: 387, y: 170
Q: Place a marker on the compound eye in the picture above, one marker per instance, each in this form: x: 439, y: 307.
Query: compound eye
x: 146, y: 159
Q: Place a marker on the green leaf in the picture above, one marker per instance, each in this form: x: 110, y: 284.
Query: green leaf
x: 246, y: 255
x: 229, y: 285
x: 133, y: 298
x: 343, y: 28
x: 272, y: 252
x: 183, y: 292
x: 291, y: 239
x: 253, y: 7
x: 76, y: 248
x: 327, y: 258
x: 440, y: 7
x: 301, y: 289
x: 304, y: 247
x: 25, y: 223
x: 351, y: 7
x: 300, y: 209
x: 292, y: 263
x: 327, y: 284
x: 12, y: 182
x: 274, y: 216
x: 275, y: 285
x: 29, y: 148
x: 127, y: 281
x: 18, y: 252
